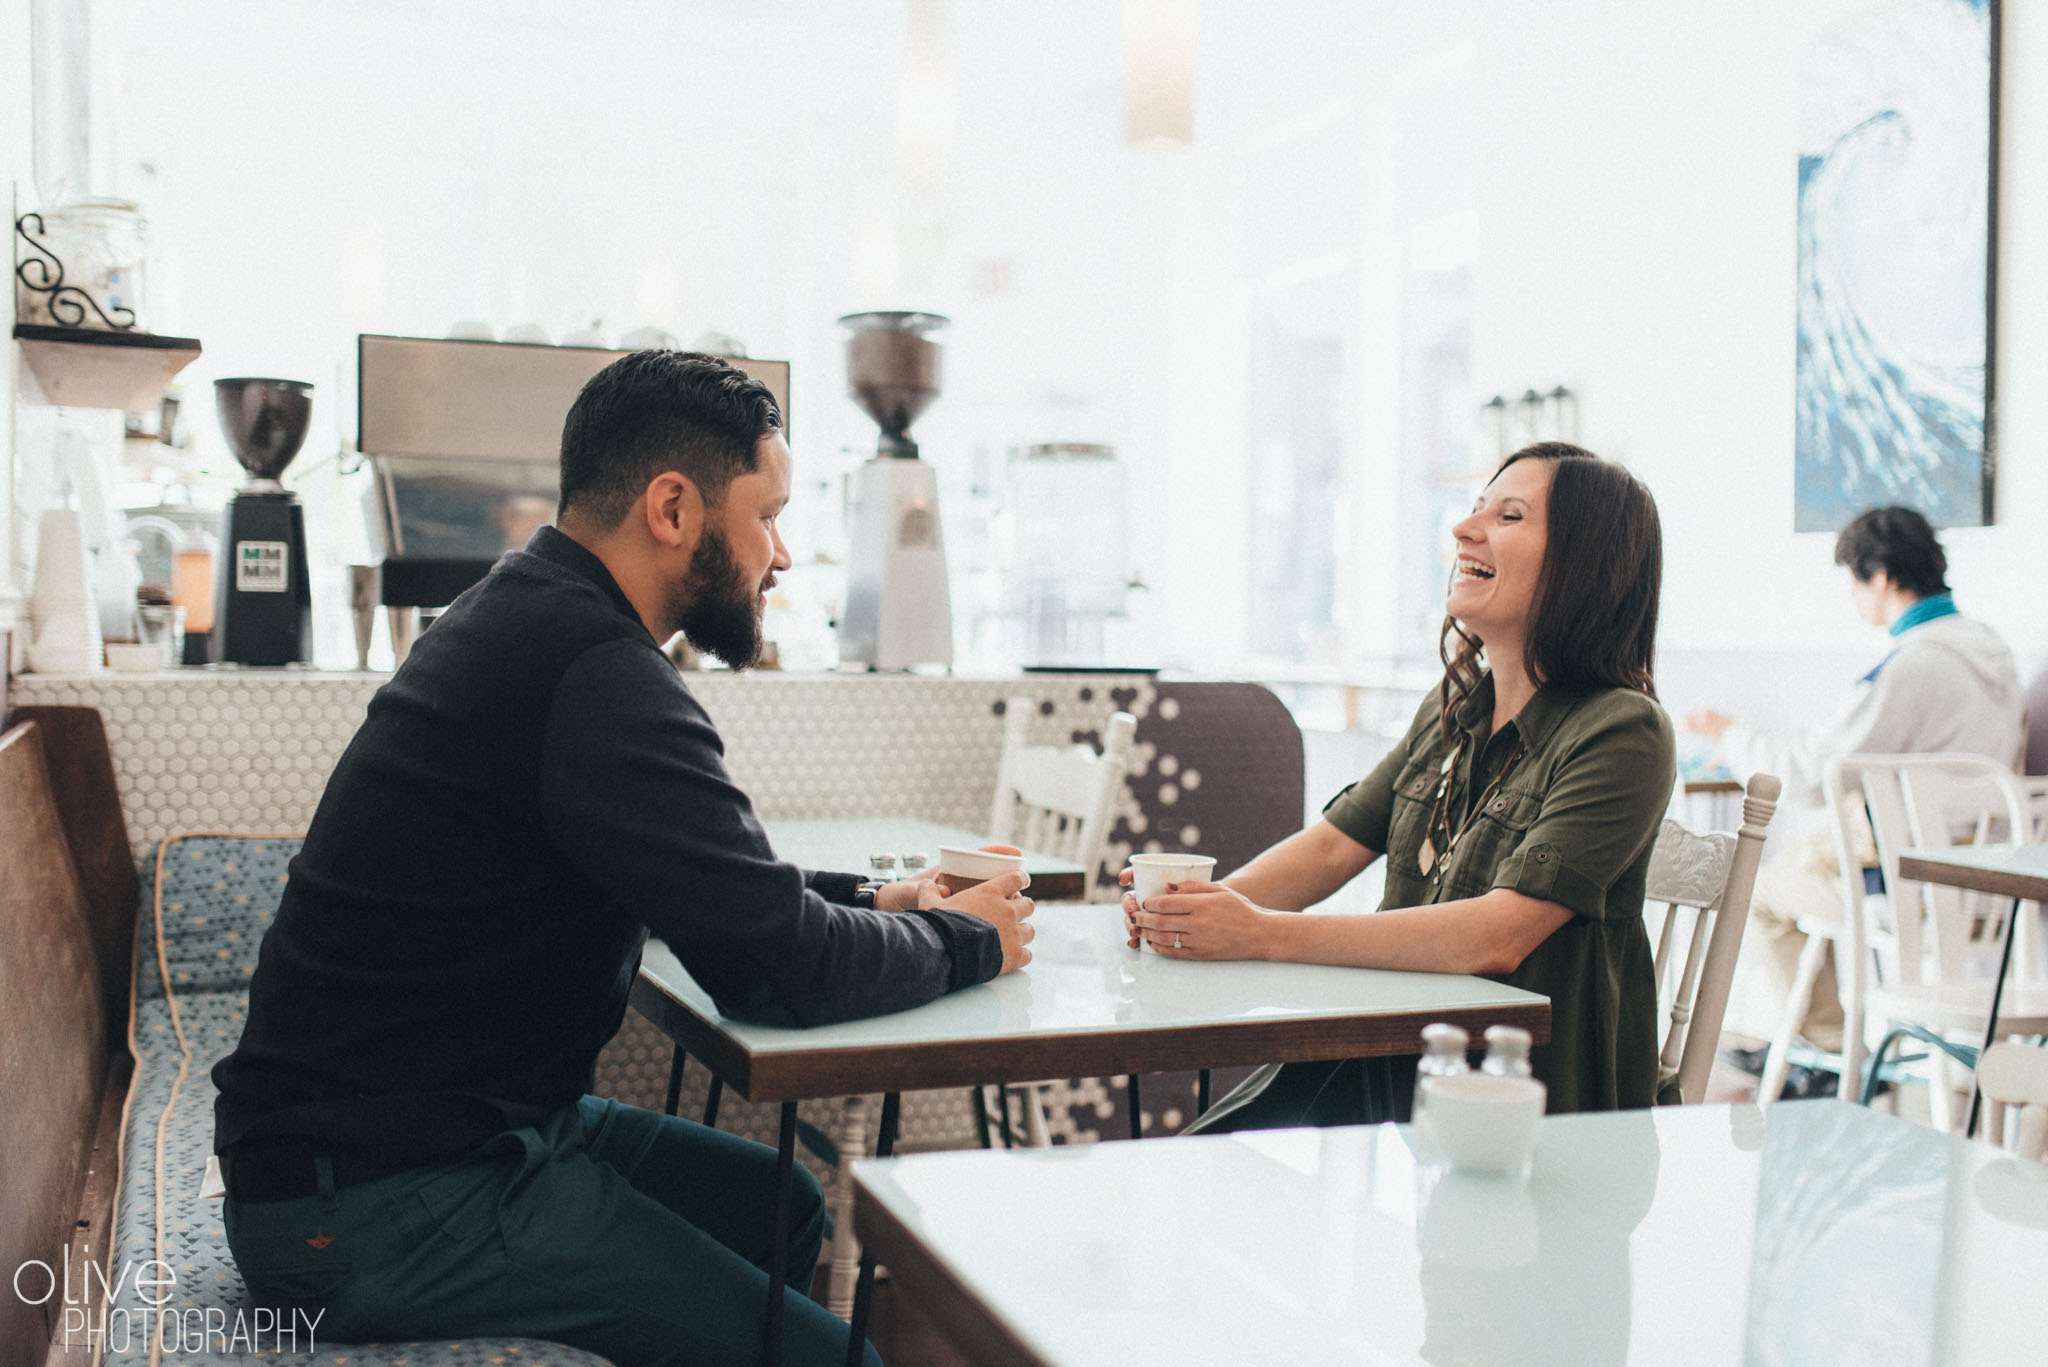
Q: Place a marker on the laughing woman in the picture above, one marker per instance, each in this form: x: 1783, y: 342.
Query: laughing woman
x: 1516, y: 815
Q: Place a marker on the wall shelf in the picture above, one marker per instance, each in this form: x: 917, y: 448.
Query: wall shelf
x: 96, y: 368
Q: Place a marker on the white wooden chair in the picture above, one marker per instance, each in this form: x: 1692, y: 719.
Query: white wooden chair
x: 2014, y: 1074
x: 1058, y: 800
x: 2035, y: 786
x: 1936, y: 946
x: 1713, y: 875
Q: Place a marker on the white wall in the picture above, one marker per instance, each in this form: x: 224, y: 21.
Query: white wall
x: 15, y: 161
x: 1639, y: 219
x: 727, y: 165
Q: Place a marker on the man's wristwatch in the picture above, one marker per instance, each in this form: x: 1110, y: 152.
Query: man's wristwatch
x: 864, y: 895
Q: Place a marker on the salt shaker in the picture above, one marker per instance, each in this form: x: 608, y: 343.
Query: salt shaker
x: 1443, y: 1055
x: 1507, y: 1051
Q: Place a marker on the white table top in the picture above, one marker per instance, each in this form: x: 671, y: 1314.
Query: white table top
x: 843, y: 846
x: 1809, y: 1234
x: 1087, y: 1005
x: 2014, y: 870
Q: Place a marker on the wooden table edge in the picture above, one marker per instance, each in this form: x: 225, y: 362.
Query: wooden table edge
x: 852, y: 1070
x: 970, y: 1323
x: 1998, y: 882
x: 1059, y: 887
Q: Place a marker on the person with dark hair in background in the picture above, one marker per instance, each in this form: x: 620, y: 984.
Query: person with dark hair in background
x: 1517, y: 815
x: 407, y: 1137
x: 1946, y: 683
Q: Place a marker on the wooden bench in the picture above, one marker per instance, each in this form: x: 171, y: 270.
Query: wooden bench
x: 67, y: 926
x: 110, y: 1024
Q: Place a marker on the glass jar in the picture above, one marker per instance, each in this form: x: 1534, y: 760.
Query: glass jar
x: 103, y: 246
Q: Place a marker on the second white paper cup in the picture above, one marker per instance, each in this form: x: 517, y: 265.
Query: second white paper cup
x: 1150, y: 873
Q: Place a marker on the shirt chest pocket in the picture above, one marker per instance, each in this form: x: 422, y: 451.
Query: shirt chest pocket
x: 1497, y: 830
x: 1414, y: 797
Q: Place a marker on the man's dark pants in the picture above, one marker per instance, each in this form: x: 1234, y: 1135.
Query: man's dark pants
x: 639, y: 1236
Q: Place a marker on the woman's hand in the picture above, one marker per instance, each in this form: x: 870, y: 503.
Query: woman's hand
x: 1200, y: 921
x: 1130, y: 908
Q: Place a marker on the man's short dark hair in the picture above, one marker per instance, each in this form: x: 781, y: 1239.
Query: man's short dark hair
x: 1899, y: 542
x: 656, y: 411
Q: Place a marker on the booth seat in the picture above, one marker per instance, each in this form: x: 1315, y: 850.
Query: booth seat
x: 206, y: 900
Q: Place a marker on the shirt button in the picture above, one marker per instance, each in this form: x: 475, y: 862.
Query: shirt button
x: 1543, y: 856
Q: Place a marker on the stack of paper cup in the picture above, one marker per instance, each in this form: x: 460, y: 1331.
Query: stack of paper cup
x: 64, y: 621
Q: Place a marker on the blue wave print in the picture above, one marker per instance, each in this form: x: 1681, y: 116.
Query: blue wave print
x: 1891, y: 304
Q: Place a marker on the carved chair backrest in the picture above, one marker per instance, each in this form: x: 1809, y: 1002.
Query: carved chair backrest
x: 1059, y: 800
x: 1712, y: 874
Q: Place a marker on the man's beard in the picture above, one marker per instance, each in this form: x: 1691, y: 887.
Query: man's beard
x: 717, y: 611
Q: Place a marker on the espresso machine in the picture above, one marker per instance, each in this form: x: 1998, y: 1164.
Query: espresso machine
x: 263, y: 606
x: 899, y: 608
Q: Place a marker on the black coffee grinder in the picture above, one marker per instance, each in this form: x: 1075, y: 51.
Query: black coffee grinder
x: 263, y: 607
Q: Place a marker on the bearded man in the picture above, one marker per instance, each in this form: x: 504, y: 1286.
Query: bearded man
x: 406, y: 1130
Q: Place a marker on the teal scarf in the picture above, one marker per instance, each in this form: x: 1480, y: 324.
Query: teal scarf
x: 1926, y: 610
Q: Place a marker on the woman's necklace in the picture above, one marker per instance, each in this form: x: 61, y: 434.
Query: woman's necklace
x: 1427, y: 858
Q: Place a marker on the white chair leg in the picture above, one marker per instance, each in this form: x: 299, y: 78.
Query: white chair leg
x: 1778, y: 1061
x: 852, y: 1141
x: 1037, y: 1132
x: 1940, y: 1091
x: 1851, y: 970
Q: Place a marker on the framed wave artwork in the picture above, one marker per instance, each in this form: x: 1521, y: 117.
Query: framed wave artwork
x: 1898, y: 146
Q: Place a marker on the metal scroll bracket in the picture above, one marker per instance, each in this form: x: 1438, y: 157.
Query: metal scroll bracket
x: 41, y: 272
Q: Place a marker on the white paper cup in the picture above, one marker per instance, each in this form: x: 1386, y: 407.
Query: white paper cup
x: 1481, y: 1123
x: 134, y: 657
x: 962, y: 868
x: 1150, y: 873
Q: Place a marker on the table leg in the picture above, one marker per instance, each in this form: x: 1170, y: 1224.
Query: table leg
x: 885, y: 1144
x: 1991, y: 1022
x: 675, y: 1080
x: 711, y: 1096
x: 980, y: 1100
x: 778, y: 1243
x: 852, y: 1142
x: 1003, y: 1102
x: 1131, y: 1095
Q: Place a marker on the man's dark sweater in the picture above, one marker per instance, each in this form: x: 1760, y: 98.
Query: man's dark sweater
x: 531, y: 794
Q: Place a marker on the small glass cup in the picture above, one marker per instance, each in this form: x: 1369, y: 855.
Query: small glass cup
x: 162, y: 625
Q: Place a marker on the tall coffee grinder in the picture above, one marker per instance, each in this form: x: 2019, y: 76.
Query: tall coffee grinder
x: 263, y: 606
x: 899, y: 608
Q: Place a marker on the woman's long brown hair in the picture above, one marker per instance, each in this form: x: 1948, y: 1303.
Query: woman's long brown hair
x: 1595, y: 619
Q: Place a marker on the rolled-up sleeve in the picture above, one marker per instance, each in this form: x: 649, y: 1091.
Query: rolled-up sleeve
x: 1365, y: 810
x: 1600, y: 811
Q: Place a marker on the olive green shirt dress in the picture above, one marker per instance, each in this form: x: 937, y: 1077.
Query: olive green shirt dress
x: 1572, y: 822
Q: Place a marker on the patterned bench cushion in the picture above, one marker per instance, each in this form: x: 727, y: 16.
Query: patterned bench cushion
x: 206, y: 900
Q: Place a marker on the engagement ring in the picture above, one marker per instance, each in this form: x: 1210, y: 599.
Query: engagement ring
x: 1176, y: 939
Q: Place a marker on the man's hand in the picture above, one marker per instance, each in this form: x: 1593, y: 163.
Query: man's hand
x: 1000, y: 902
x: 905, y: 895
